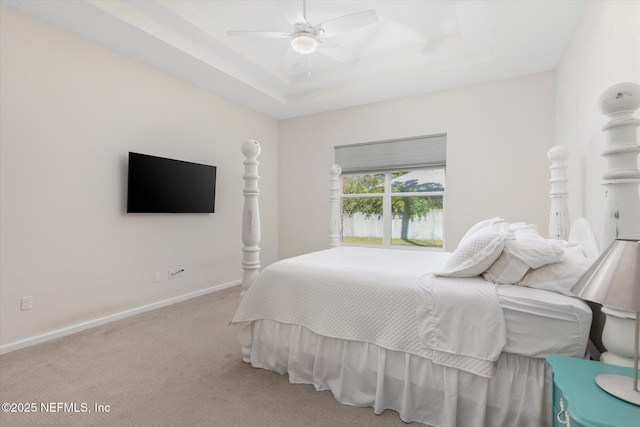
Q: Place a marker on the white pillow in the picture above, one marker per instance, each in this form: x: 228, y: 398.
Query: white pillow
x: 534, y: 250
x: 476, y: 253
x: 559, y: 277
x: 507, y: 269
x: 526, y: 250
x: 479, y: 226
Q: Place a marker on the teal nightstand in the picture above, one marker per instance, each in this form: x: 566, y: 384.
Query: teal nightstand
x: 579, y: 402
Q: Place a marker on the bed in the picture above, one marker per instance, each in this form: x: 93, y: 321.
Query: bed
x: 442, y: 338
x: 355, y: 321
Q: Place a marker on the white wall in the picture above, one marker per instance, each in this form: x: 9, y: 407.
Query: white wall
x: 604, y: 50
x: 71, y: 110
x: 498, y: 135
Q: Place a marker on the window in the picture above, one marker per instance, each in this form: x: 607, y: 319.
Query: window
x: 399, y: 201
x: 403, y: 208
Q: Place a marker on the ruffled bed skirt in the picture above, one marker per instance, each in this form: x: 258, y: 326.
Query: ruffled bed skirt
x: 363, y: 374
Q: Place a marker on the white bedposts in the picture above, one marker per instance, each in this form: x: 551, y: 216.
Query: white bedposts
x: 250, y: 233
x: 621, y: 179
x: 250, y: 214
x: 559, y: 213
x: 334, y: 201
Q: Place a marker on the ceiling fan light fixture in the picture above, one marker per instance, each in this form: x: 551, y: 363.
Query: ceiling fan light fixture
x: 304, y: 43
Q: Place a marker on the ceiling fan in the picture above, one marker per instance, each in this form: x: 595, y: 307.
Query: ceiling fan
x: 306, y: 37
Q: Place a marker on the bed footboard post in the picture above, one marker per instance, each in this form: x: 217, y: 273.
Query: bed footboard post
x: 250, y: 215
x: 334, y: 200
x: 621, y: 179
x: 250, y: 234
x: 559, y: 213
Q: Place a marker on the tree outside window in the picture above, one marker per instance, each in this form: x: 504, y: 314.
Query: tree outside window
x: 394, y: 208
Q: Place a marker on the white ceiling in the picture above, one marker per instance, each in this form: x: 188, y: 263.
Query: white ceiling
x: 415, y: 47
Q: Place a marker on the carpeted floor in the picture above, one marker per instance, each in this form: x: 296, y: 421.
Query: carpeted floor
x: 176, y: 366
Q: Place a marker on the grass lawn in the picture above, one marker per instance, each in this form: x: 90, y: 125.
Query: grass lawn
x: 394, y: 242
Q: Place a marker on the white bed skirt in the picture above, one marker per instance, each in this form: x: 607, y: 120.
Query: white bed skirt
x: 364, y: 374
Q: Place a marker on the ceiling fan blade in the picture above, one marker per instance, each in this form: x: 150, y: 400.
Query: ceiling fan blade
x: 349, y: 22
x: 336, y: 52
x: 267, y: 34
x: 294, y: 15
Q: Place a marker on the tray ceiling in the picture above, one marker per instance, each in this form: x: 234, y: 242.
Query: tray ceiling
x: 414, y: 47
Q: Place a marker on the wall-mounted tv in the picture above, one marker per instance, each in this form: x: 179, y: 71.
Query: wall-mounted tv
x: 161, y: 185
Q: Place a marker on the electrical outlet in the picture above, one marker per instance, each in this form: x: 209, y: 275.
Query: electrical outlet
x: 26, y: 303
x: 157, y: 276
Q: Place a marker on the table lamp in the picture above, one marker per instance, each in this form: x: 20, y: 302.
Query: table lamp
x: 614, y: 280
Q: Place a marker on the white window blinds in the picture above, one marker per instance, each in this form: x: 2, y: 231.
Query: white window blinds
x: 396, y: 154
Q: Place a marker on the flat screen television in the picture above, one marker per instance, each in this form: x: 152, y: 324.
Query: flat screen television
x: 161, y: 185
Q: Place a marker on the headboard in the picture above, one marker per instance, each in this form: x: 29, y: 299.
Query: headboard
x: 582, y: 234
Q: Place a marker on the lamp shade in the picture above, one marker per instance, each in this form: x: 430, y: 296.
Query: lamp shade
x: 614, y: 278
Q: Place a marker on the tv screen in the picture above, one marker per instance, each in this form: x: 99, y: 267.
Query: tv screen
x: 160, y: 185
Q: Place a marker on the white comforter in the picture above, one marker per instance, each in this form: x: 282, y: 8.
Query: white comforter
x: 461, y: 320
x: 385, y: 297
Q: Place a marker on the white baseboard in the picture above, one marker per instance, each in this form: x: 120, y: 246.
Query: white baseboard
x: 27, y: 342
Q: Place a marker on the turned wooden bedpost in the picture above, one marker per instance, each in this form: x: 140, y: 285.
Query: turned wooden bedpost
x: 334, y: 200
x: 621, y: 220
x: 250, y: 214
x: 559, y: 213
x: 621, y: 179
x: 250, y: 234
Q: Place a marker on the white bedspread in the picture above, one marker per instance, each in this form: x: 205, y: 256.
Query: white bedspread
x: 372, y: 296
x: 461, y: 320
